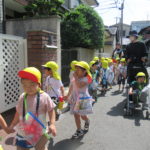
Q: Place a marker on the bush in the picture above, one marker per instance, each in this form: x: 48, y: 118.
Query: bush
x: 44, y: 7
x: 82, y: 27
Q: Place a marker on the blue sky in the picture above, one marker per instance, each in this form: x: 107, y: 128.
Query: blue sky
x: 134, y: 10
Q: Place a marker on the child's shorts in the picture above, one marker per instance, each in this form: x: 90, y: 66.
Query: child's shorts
x: 104, y: 83
x: 121, y: 80
x: 22, y: 143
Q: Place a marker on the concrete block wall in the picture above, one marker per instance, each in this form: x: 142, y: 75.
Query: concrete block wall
x: 20, y: 27
x: 37, y: 52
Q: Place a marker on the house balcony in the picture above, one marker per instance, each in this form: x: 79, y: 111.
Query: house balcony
x: 16, y: 5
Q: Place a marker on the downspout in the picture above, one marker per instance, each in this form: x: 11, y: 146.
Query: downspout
x: 69, y: 3
x: 4, y: 21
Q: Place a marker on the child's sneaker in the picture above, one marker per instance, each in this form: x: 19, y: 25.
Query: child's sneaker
x: 78, y: 134
x: 86, y: 126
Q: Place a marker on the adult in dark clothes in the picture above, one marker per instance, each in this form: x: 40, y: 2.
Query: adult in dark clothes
x: 136, y: 55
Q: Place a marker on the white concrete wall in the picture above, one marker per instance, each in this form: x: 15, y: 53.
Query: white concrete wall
x: 20, y: 27
x: 86, y: 54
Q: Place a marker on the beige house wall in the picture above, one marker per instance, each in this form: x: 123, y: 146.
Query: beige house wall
x: 85, y: 54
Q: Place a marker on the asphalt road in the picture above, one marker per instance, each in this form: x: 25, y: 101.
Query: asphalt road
x: 109, y: 129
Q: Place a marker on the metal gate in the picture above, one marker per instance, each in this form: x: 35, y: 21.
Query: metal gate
x: 12, y: 59
x: 66, y: 57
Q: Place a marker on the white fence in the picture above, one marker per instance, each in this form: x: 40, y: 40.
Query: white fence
x: 12, y: 59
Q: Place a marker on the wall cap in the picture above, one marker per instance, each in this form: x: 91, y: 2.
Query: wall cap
x: 35, y: 18
x: 44, y: 31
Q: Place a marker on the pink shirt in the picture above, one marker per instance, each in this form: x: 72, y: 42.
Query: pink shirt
x: 45, y: 105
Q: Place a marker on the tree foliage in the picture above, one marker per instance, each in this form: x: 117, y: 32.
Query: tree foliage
x: 44, y: 7
x: 82, y: 27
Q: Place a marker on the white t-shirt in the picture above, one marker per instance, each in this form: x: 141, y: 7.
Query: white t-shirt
x: 53, y: 87
x: 122, y: 69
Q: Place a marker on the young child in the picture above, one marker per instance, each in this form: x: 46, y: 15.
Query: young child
x: 95, y: 80
x: 135, y: 91
x: 110, y: 73
x: 104, y: 76
x: 72, y: 65
x: 122, y: 73
x: 116, y: 64
x: 3, y: 124
x: 98, y: 64
x: 79, y: 91
x: 36, y: 101
x: 53, y: 84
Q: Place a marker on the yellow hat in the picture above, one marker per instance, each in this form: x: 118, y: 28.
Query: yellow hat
x: 110, y: 60
x: 117, y: 58
x: 85, y: 66
x: 96, y: 59
x: 105, y: 64
x: 92, y: 63
x: 30, y: 73
x: 140, y: 74
x: 72, y: 65
x: 54, y: 67
x: 106, y: 59
x: 123, y: 60
x: 102, y: 59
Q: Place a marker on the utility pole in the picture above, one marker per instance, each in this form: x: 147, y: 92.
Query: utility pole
x: 121, y: 22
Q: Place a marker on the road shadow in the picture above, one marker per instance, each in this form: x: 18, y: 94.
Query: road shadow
x: 66, y: 144
x: 115, y: 93
x: 118, y: 110
x: 137, y: 116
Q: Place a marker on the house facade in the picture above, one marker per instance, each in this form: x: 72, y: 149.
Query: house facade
x: 125, y: 33
x: 145, y: 33
x: 70, y: 4
x: 11, y: 9
x: 138, y: 25
x: 111, y: 38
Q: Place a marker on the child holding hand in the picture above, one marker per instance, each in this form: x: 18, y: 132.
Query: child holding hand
x: 3, y: 124
x: 79, y: 94
x: 54, y: 86
x: 36, y: 101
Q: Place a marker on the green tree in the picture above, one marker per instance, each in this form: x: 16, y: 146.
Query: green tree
x: 82, y: 27
x: 44, y: 7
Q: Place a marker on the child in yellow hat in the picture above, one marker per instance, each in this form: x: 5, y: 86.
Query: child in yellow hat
x: 35, y: 101
x: 53, y: 85
x: 137, y: 93
x: 111, y: 72
x: 81, y: 101
x: 116, y: 72
x: 72, y: 65
x: 122, y: 73
x: 95, y: 80
x: 104, y: 76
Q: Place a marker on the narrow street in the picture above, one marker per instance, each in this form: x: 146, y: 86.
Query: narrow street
x: 109, y: 129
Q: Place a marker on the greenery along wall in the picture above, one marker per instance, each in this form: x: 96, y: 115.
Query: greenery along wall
x: 44, y: 7
x: 82, y: 27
